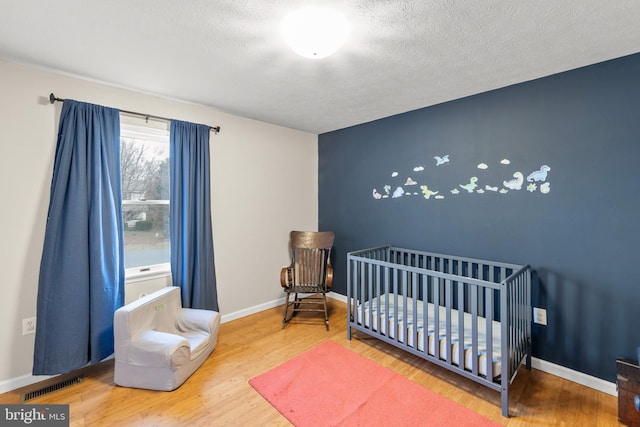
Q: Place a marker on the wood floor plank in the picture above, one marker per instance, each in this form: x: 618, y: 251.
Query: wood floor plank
x: 218, y: 394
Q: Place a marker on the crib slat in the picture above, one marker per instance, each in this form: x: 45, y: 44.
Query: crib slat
x: 448, y: 305
x: 461, y: 337
x: 517, y: 321
x: 517, y: 315
x: 436, y: 318
x: 425, y: 314
x: 489, y: 332
x: 513, y: 323
x: 414, y: 320
x: 520, y: 341
x: 366, y: 293
x: 387, y: 283
x: 355, y: 290
x: 474, y: 329
x: 377, y: 297
x: 350, y: 299
x: 394, y: 272
x: 404, y: 321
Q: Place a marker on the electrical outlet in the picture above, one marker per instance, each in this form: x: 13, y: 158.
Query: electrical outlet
x: 539, y: 316
x: 29, y: 326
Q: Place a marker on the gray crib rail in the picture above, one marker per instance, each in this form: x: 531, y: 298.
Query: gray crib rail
x: 473, y: 290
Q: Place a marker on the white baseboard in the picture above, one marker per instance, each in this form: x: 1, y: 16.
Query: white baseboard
x: 22, y: 381
x: 26, y: 380
x: 338, y: 297
x: 267, y: 305
x: 575, y: 376
x: 251, y: 310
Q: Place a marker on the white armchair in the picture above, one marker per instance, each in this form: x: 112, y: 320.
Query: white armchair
x: 159, y: 344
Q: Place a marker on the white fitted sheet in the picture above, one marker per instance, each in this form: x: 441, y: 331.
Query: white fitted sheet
x: 385, y: 320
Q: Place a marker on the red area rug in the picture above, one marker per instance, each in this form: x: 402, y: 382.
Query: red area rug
x: 330, y: 385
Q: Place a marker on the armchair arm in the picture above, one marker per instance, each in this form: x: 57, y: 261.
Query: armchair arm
x: 191, y: 319
x: 286, y: 276
x: 329, y: 279
x: 154, y: 348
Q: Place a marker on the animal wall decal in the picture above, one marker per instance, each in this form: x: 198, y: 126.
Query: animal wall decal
x: 471, y: 185
x: 515, y: 183
x: 441, y: 160
x: 540, y: 175
x: 536, y: 181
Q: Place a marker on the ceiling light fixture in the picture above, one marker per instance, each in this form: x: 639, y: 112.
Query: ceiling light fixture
x: 315, y: 32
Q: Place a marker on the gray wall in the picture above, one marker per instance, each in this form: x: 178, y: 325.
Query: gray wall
x: 580, y: 234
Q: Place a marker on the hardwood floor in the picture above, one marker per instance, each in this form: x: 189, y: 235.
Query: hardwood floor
x: 218, y: 394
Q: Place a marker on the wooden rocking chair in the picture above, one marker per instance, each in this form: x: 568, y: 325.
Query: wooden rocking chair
x: 310, y: 272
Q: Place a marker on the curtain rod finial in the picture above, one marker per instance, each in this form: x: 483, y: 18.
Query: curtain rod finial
x: 52, y: 98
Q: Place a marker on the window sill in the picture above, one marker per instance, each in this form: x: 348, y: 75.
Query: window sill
x: 133, y: 275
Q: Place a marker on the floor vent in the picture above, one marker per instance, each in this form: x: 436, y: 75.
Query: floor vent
x: 51, y: 388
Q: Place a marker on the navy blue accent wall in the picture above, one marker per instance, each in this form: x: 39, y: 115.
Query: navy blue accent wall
x: 580, y: 235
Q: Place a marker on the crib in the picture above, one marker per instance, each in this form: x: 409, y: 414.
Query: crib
x: 470, y: 316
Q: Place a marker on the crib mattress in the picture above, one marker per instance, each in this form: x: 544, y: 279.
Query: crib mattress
x: 385, y: 322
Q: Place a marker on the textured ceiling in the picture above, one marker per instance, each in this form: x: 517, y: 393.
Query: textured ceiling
x: 402, y: 55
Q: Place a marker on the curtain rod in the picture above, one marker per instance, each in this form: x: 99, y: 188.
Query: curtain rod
x: 53, y: 99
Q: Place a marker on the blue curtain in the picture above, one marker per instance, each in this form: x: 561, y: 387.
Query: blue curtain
x: 81, y: 279
x: 192, y: 263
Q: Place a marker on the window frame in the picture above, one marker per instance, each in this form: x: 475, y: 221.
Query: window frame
x: 142, y: 130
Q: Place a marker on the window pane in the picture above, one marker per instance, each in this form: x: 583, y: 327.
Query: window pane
x: 144, y: 163
x: 146, y: 235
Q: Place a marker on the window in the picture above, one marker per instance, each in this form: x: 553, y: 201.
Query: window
x: 144, y: 165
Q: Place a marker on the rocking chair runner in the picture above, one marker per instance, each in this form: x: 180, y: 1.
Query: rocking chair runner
x: 310, y: 272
